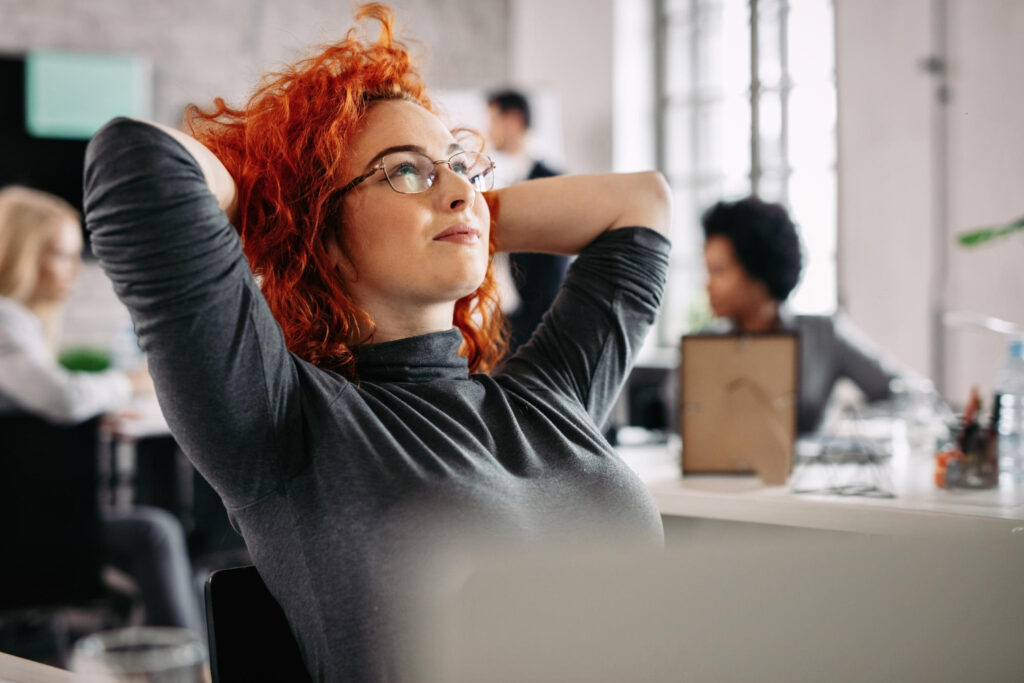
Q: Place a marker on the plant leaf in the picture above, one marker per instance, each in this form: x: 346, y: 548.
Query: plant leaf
x: 982, y: 235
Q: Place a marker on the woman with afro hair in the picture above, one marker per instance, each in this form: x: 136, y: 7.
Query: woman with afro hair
x: 310, y: 275
x: 753, y: 260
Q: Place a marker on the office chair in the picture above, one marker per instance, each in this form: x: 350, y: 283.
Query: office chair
x: 250, y: 640
x: 50, y: 528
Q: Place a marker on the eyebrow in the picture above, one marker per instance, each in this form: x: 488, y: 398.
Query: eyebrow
x: 452, y: 148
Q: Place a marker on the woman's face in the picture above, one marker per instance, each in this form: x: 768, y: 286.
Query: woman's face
x: 402, y: 250
x: 731, y: 290
x: 59, y: 262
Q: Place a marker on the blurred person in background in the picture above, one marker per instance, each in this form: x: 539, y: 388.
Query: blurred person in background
x: 753, y: 259
x: 537, y: 277
x: 40, y: 256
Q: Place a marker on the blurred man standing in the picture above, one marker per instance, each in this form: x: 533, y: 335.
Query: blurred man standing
x: 537, y: 277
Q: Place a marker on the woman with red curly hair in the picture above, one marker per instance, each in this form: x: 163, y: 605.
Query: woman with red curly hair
x: 347, y: 402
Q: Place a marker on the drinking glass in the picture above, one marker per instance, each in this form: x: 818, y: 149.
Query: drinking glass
x: 140, y: 655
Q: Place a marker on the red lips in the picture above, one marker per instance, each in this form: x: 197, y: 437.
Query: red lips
x: 463, y: 233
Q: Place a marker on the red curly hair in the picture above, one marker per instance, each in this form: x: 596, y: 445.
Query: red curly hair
x: 285, y: 150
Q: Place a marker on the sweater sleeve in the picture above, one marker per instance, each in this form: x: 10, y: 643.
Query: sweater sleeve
x: 224, y: 378
x: 589, y: 339
x: 858, y: 360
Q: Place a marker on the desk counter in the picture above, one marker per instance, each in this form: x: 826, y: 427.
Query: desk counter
x: 919, y: 508
x: 17, y: 670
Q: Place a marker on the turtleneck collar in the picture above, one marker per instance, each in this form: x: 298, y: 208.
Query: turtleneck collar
x: 421, y: 358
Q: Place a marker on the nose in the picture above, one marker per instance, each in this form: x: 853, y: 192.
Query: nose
x: 456, y: 192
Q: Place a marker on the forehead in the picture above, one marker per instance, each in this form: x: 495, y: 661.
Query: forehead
x: 718, y: 247
x: 398, y: 122
x: 68, y: 236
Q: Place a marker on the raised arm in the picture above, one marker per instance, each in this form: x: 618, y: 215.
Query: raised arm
x: 589, y: 339
x: 225, y: 380
x: 218, y: 180
x: 564, y: 214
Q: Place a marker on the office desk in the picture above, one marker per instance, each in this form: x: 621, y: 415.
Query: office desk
x: 920, y: 509
x: 17, y: 670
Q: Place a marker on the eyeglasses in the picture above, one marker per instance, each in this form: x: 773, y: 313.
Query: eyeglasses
x: 410, y: 172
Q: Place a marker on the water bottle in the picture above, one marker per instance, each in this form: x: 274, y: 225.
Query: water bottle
x: 1008, y: 411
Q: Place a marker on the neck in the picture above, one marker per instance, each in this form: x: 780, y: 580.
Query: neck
x: 399, y: 322
x: 514, y: 146
x: 761, y: 318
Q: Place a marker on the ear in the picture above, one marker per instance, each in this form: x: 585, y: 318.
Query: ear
x: 339, y: 259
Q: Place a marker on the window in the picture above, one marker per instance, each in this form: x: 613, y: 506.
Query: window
x: 746, y: 105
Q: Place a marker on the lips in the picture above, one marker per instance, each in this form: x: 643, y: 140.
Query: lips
x: 463, y: 233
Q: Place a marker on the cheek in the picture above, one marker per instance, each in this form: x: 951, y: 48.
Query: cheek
x: 49, y: 272
x: 724, y: 286
x: 484, y: 221
x: 734, y: 288
x: 370, y: 232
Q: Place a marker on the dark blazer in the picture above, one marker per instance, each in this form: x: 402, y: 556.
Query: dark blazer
x: 537, y: 277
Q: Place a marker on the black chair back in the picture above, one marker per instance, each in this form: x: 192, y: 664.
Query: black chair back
x: 50, y: 529
x: 250, y: 640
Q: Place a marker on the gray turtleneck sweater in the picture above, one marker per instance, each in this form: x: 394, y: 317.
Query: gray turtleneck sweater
x: 334, y: 484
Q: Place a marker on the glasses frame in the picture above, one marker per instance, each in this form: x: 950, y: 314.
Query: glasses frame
x: 430, y: 183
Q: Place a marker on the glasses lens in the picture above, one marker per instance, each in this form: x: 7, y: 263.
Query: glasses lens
x: 475, y: 167
x: 408, y: 172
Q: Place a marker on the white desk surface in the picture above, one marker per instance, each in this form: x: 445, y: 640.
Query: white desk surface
x: 17, y: 670
x: 919, y: 508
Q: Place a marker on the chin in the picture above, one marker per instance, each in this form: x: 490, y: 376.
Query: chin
x: 466, y: 288
x: 455, y: 277
x: 468, y: 276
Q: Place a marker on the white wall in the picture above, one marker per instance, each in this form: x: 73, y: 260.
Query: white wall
x: 564, y: 47
x: 205, y: 48
x: 885, y: 164
x: 986, y: 177
x: 896, y: 250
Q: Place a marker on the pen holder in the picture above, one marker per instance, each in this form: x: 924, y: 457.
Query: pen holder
x: 975, y: 469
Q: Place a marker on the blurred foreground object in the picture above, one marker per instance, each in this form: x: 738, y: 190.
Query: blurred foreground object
x: 851, y: 607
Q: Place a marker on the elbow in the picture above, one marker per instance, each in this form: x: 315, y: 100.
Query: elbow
x: 658, y: 196
x: 646, y: 200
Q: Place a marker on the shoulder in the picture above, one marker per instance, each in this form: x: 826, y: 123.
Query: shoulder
x: 816, y: 332
x: 813, y: 323
x: 17, y: 322
x: 542, y: 170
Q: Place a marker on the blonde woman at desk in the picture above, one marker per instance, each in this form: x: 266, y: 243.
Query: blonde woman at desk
x: 753, y: 259
x: 40, y: 254
x: 343, y: 404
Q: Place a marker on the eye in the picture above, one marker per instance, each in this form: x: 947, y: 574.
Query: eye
x: 404, y: 168
x: 407, y: 172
